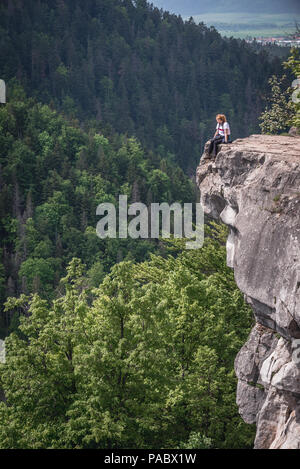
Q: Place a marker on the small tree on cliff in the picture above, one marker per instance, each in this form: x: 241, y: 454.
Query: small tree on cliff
x: 283, y: 110
x: 280, y: 110
x: 143, y: 361
x: 293, y: 63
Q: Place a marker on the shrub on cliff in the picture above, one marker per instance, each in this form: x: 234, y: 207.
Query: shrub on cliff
x: 280, y: 111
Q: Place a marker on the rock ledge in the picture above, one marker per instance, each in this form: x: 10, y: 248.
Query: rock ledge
x: 253, y: 186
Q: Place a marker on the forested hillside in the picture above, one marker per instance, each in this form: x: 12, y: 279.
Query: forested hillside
x: 142, y: 71
x: 143, y: 361
x: 53, y: 176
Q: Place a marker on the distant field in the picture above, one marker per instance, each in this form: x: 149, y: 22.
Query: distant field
x: 250, y: 24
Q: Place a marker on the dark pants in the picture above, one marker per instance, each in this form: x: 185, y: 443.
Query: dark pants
x: 214, y: 144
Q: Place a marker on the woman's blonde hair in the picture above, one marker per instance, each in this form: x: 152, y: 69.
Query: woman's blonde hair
x: 222, y: 117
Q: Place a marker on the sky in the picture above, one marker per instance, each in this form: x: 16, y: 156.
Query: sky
x: 194, y: 7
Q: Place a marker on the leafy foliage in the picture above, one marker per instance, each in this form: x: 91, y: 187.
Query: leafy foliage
x: 53, y: 176
x: 143, y: 361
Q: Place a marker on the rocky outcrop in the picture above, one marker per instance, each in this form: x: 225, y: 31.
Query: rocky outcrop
x: 294, y: 132
x: 253, y: 186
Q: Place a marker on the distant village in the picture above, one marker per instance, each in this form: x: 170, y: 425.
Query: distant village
x: 279, y: 41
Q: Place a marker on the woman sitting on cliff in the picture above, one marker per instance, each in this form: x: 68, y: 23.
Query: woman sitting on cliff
x: 222, y: 134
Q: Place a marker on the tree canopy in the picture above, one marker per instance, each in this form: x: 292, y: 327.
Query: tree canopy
x: 145, y: 360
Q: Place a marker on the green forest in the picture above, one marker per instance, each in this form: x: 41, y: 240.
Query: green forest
x: 118, y: 343
x: 138, y: 70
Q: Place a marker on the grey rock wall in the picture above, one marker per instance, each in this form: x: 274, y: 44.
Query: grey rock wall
x: 253, y: 186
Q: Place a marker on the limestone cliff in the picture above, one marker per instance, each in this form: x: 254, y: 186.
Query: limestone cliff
x: 253, y: 186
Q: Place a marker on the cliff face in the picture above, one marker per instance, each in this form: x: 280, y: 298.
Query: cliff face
x: 253, y: 186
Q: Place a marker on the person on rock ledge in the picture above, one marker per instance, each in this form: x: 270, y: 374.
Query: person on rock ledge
x: 222, y: 134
